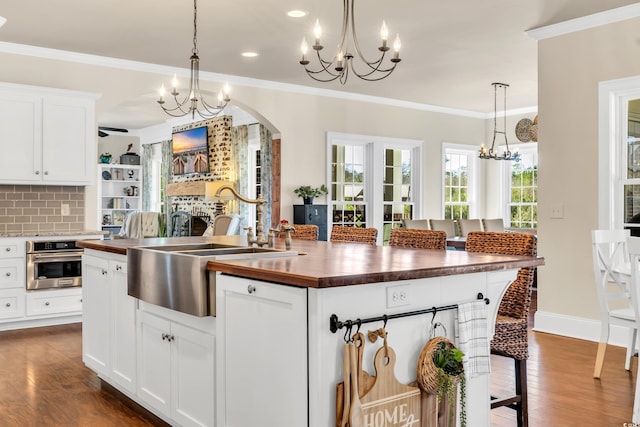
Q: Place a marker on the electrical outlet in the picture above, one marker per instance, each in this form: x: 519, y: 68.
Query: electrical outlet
x: 64, y: 209
x: 557, y: 211
x: 398, y: 296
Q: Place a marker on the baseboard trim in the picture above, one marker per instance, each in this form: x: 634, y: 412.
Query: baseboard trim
x: 133, y: 405
x: 577, y: 327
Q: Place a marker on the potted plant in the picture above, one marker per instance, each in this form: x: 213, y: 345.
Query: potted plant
x: 439, y: 370
x: 308, y: 192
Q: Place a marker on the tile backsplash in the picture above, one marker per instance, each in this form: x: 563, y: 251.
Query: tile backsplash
x: 38, y: 208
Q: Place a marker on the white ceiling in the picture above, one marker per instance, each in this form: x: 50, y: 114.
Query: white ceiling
x: 451, y: 50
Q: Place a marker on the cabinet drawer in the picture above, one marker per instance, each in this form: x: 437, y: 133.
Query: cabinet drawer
x: 53, y: 302
x: 12, y: 273
x: 11, y: 304
x: 11, y: 249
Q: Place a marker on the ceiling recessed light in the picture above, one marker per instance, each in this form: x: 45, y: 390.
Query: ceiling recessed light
x: 2, y: 21
x: 249, y: 54
x: 296, y: 13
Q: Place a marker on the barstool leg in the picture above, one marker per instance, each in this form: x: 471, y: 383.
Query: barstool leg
x: 522, y: 407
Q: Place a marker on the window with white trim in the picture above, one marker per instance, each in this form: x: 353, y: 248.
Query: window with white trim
x: 522, y: 191
x: 374, y: 182
x: 460, y: 181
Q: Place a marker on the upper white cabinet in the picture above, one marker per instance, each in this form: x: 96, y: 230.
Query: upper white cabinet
x: 47, y: 135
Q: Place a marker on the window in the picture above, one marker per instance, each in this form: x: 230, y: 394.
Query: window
x: 522, y: 203
x: 459, y: 182
x: 374, y: 182
x: 631, y: 163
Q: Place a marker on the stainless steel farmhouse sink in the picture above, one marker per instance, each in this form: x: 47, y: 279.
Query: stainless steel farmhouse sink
x: 176, y: 277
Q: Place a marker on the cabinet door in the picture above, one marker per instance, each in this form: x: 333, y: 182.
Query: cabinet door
x: 154, y: 362
x: 20, y: 137
x: 123, y: 328
x: 193, y: 379
x: 95, y: 315
x: 68, y: 138
x: 263, y: 353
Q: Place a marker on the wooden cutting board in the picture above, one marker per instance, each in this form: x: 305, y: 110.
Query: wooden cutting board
x: 390, y: 403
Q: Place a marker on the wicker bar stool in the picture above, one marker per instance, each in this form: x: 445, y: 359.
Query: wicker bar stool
x: 342, y: 234
x: 305, y: 232
x: 511, y: 338
x: 421, y: 239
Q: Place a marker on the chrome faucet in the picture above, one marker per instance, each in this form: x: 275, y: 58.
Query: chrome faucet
x: 259, y: 239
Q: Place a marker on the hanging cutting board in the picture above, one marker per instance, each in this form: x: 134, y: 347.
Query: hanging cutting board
x: 365, y: 381
x: 390, y: 403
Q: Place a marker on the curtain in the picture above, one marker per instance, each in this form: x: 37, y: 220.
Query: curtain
x: 147, y: 183
x: 240, y: 171
x: 167, y: 162
x: 266, y: 174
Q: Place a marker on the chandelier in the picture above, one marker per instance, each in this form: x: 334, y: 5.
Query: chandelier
x: 342, y: 61
x: 493, y: 154
x: 193, y: 102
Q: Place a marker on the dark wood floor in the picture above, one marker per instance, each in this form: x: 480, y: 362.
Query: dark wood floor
x: 44, y: 383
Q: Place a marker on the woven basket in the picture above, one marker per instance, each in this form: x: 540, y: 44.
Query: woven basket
x: 427, y: 370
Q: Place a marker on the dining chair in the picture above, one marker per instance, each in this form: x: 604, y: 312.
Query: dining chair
x: 468, y: 225
x: 613, y: 252
x: 305, y: 232
x: 446, y: 225
x: 344, y: 234
x: 415, y: 224
x: 496, y: 224
x: 511, y: 337
x: 422, y: 239
x: 220, y: 225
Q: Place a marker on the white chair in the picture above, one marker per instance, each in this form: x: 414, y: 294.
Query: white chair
x: 446, y: 225
x: 223, y: 225
x: 496, y: 225
x: 614, y: 282
x: 138, y: 225
x: 468, y: 225
x: 415, y: 224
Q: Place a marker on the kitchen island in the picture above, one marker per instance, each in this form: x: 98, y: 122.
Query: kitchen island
x: 276, y: 360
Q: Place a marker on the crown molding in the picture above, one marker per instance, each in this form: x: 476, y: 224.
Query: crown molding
x: 585, y: 22
x: 124, y: 64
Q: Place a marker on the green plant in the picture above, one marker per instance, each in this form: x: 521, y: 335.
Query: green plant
x: 448, y: 360
x: 307, y: 191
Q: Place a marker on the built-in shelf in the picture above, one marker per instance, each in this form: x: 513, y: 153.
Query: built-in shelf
x: 119, y: 193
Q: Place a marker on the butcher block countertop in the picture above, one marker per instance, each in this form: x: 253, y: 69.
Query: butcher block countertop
x: 325, y: 264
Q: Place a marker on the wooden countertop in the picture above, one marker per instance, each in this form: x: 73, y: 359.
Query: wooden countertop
x: 325, y: 264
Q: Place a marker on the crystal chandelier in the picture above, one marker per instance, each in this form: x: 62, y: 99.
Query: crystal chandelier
x: 493, y: 154
x: 341, y: 63
x: 193, y: 102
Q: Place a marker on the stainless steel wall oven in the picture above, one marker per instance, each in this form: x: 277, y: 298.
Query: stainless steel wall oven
x: 53, y: 264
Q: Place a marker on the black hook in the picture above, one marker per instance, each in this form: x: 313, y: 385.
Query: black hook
x: 435, y: 310
x: 359, y: 323
x: 347, y: 330
x: 384, y: 318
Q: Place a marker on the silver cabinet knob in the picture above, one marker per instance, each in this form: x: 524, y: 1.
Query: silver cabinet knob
x: 8, y: 274
x: 37, y: 172
x: 8, y: 304
x: 104, y: 272
x: 46, y: 172
x: 251, y: 289
x: 46, y: 303
x: 118, y: 267
x: 8, y: 249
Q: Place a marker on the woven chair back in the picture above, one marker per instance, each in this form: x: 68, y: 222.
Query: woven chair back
x: 510, y: 337
x: 421, y: 239
x: 343, y: 234
x: 305, y: 232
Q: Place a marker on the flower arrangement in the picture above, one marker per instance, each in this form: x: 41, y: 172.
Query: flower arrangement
x: 307, y: 192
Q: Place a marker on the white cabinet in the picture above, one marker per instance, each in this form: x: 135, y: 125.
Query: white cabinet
x: 47, y: 135
x: 119, y: 192
x: 109, y: 320
x: 262, y: 358
x: 176, y: 368
x: 12, y: 279
x: 54, y: 302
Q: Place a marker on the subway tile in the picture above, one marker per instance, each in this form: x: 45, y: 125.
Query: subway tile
x: 46, y: 211
x: 38, y: 219
x: 61, y: 196
x: 54, y: 188
x: 23, y: 204
x: 31, y: 211
x: 47, y: 196
x: 45, y: 227
x: 7, y: 203
x: 30, y: 196
x: 61, y: 227
x: 14, y: 211
x: 30, y: 227
x: 14, y: 196
x: 39, y: 204
x: 14, y: 228
x: 54, y: 219
x: 7, y: 219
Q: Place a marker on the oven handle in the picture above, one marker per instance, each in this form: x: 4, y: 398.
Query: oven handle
x: 56, y: 257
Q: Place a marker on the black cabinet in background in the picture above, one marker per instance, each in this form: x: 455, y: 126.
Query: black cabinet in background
x: 312, y: 214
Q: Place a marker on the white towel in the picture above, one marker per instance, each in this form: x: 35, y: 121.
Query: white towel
x: 473, y: 338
